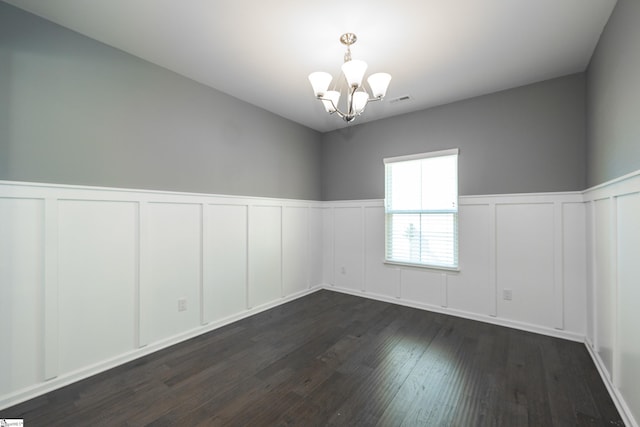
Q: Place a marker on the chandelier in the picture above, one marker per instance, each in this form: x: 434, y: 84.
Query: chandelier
x: 356, y: 95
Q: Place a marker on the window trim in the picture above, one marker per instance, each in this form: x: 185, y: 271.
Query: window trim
x: 421, y: 156
x: 422, y: 266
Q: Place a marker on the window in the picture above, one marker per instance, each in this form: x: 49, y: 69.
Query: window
x: 421, y: 207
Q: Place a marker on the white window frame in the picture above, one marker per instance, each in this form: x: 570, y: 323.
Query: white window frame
x: 390, y: 212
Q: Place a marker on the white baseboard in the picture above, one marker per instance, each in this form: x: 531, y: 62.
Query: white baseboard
x: 617, y: 398
x: 571, y: 336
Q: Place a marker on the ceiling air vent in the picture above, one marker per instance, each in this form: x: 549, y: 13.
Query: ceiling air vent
x: 403, y: 98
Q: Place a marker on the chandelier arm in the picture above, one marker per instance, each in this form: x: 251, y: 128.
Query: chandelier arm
x: 352, y: 113
x: 335, y: 107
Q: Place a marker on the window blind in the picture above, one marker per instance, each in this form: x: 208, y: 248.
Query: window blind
x: 421, y: 207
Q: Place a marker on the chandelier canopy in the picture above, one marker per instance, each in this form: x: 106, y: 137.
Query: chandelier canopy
x: 356, y: 95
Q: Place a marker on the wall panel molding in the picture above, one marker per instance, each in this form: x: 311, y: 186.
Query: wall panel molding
x: 139, y: 253
x: 50, y: 287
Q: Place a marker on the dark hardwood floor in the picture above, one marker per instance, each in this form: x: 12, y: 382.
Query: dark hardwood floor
x: 335, y: 359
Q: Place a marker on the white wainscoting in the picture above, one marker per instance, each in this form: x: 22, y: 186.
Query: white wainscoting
x: 93, y: 277
x: 613, y: 327
x: 531, y: 244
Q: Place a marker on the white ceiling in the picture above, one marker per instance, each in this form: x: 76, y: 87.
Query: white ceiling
x: 437, y: 51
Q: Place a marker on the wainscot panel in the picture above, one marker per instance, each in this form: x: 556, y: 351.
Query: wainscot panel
x: 225, y: 282
x: 22, y: 248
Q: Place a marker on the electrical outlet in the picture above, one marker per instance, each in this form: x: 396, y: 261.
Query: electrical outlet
x: 182, y: 304
x: 507, y: 294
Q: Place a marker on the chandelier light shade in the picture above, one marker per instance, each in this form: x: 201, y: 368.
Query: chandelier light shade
x: 320, y: 82
x: 360, y: 100
x: 379, y: 82
x: 353, y: 71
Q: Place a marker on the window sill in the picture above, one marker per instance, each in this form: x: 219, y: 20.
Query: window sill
x: 422, y: 266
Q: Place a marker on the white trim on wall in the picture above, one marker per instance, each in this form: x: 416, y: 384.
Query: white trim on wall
x: 50, y: 286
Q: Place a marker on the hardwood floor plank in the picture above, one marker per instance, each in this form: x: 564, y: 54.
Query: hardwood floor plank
x: 393, y: 363
x: 413, y: 388
x: 435, y: 380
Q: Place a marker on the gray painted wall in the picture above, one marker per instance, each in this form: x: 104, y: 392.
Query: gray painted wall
x: 75, y: 111
x: 527, y: 139
x: 614, y: 97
